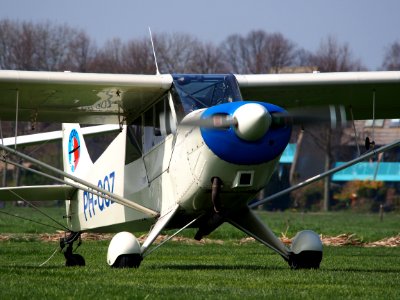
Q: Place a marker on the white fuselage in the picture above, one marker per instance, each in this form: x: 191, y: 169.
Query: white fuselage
x: 178, y: 170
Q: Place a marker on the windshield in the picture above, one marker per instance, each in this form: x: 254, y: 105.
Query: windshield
x: 202, y: 91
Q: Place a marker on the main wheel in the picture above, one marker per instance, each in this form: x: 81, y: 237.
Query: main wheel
x: 306, y: 251
x: 75, y: 260
x: 305, y: 260
x: 124, y: 251
x: 128, y: 261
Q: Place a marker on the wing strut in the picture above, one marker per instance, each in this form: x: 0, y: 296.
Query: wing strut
x: 95, y: 188
x: 16, y: 118
x: 355, y: 131
x: 160, y: 225
x: 327, y: 173
x: 171, y: 236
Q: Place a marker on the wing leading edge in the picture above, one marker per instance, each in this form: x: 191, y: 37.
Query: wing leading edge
x: 101, y: 98
x: 351, y: 89
x: 77, y: 97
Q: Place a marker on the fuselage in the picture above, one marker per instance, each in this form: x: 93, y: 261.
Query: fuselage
x: 159, y: 162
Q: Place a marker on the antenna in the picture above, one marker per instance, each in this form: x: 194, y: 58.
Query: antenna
x: 154, y: 52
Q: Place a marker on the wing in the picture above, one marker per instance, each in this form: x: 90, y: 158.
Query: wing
x: 351, y: 89
x: 37, y: 193
x: 77, y: 97
x: 100, y: 98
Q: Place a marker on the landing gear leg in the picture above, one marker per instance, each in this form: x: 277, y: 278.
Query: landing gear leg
x: 72, y: 259
x: 210, y: 222
x: 216, y: 188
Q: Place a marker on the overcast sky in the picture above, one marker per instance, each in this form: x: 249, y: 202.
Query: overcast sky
x: 369, y: 26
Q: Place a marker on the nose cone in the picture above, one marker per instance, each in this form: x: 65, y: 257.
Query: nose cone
x: 253, y: 121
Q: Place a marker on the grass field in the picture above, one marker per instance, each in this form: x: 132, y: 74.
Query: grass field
x: 181, y: 271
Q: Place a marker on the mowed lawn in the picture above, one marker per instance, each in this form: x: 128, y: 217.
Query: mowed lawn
x: 199, y: 271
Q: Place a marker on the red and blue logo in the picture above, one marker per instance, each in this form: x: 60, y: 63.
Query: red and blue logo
x: 73, y: 149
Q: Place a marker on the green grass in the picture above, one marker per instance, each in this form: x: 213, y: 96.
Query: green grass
x: 366, y: 227
x: 230, y: 270
x: 9, y: 224
x: 179, y: 271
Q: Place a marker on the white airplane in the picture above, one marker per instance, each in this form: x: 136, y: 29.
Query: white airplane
x: 190, y: 152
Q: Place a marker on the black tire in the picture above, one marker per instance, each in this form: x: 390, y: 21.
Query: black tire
x: 305, y: 260
x: 75, y: 260
x: 128, y: 261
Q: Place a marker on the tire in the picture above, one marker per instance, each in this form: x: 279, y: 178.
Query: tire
x: 305, y: 260
x: 75, y: 260
x: 128, y: 261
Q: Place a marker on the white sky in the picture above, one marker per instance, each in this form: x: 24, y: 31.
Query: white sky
x: 369, y: 26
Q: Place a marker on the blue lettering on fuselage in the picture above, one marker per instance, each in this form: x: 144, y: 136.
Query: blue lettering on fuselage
x: 93, y: 203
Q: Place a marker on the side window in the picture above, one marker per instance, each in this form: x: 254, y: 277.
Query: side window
x: 159, y: 119
x: 148, y: 130
x: 134, y: 141
x: 165, y: 120
x: 158, y: 122
x: 179, y: 110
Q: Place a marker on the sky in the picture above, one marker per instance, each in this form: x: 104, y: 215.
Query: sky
x: 368, y: 26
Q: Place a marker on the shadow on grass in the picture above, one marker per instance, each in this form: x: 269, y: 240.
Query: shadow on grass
x: 30, y: 267
x: 218, y: 267
x: 205, y: 267
x: 361, y: 270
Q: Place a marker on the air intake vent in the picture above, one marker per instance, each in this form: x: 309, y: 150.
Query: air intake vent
x: 243, y: 179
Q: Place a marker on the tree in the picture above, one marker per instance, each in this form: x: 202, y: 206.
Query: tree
x: 331, y: 56
x: 175, y: 52
x: 109, y: 58
x: 6, y: 34
x: 258, y: 52
x: 236, y: 54
x: 334, y: 57
x: 138, y: 58
x: 43, y: 47
x: 391, y: 61
x: 81, y: 54
x: 208, y: 59
x: 280, y: 52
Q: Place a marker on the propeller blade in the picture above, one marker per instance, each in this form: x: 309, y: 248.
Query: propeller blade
x: 218, y: 121
x: 335, y: 115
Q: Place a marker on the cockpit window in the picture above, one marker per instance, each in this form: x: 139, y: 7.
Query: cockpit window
x: 202, y: 91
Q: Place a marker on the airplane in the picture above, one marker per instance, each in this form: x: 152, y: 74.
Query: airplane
x: 191, y: 150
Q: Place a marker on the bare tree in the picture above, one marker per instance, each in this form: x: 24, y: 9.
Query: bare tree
x: 43, y: 46
x: 81, y: 54
x: 8, y: 32
x: 51, y: 46
x: 391, y: 61
x: 259, y: 52
x: 334, y: 57
x: 257, y: 43
x: 207, y: 59
x: 23, y: 47
x: 236, y: 54
x: 175, y: 52
x: 331, y: 56
x: 280, y: 52
x: 138, y: 58
x: 109, y: 58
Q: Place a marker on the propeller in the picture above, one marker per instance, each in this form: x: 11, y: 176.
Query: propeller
x: 252, y: 120
x: 217, y: 121
x: 335, y: 115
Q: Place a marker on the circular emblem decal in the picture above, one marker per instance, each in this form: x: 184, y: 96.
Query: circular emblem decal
x: 73, y: 149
